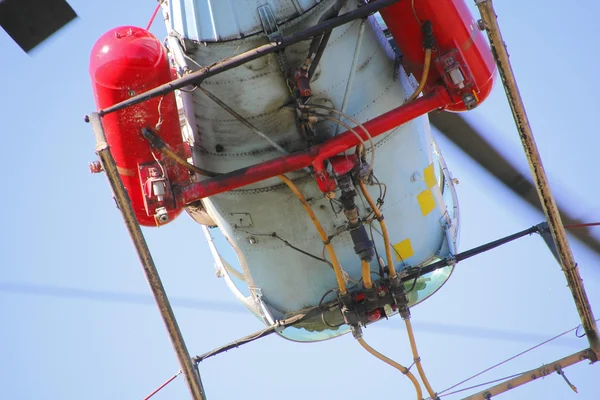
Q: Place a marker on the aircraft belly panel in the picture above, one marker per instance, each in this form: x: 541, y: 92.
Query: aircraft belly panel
x: 414, y: 208
x: 289, y: 280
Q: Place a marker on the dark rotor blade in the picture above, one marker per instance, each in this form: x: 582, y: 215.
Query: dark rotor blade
x: 105, y: 296
x: 30, y: 22
x: 455, y: 128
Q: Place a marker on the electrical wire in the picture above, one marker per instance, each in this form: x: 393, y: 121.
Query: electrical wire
x: 398, y: 256
x: 324, y: 309
x: 382, y: 188
x: 481, y: 384
x: 574, y: 226
x: 154, y: 15
x: 509, y: 359
x: 158, y: 389
x: 352, y: 130
x: 394, y: 364
x: 379, y: 259
x: 412, y: 4
x: 337, y: 268
x: 384, y: 231
x: 355, y: 122
x: 160, y: 116
x: 288, y: 244
x: 417, y: 276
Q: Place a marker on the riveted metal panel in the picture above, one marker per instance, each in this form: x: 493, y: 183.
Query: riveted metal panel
x: 287, y: 279
x: 221, y: 20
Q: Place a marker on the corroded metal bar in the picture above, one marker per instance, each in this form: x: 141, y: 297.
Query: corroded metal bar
x: 124, y: 204
x: 555, y: 224
x: 532, y: 375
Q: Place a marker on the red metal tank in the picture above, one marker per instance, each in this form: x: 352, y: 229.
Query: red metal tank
x: 459, y: 44
x: 124, y: 62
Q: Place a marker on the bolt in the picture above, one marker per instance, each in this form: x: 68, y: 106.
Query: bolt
x: 86, y: 119
x: 252, y: 240
x: 95, y: 167
x: 470, y: 101
x: 481, y: 24
x: 131, y: 93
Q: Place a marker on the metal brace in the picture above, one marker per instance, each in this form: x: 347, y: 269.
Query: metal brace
x: 562, y: 373
x: 269, y: 23
x: 257, y: 295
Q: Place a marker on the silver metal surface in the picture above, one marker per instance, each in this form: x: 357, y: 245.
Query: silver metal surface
x: 220, y: 20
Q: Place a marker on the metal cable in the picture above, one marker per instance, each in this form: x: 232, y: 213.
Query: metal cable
x: 243, y: 120
x: 479, y: 385
x: 355, y: 122
x: 158, y: 389
x: 337, y: 268
x: 510, y: 359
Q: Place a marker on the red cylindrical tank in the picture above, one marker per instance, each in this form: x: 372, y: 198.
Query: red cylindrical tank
x: 457, y: 38
x: 127, y: 61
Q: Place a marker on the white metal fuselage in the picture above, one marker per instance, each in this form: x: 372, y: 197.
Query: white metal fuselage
x: 420, y: 204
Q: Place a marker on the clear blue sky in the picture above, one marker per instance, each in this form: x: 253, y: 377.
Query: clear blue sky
x: 104, y: 339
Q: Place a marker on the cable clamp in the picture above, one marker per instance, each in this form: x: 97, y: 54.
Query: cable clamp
x: 381, y: 218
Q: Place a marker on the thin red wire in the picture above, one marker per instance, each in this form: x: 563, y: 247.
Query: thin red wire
x: 153, y: 16
x: 171, y: 379
x: 582, y: 225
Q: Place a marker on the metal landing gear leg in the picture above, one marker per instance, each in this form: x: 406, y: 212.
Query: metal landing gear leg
x: 122, y: 198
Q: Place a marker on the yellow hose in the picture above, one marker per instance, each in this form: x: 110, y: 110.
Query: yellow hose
x: 413, y: 346
x: 339, y: 276
x: 366, y: 275
x: 426, y: 66
x: 384, y: 231
x: 394, y: 364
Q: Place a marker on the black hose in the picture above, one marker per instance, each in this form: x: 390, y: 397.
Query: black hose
x: 318, y: 44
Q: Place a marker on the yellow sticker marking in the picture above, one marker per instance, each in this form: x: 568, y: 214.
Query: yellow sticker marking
x: 426, y: 201
x: 404, y: 250
x: 430, y: 178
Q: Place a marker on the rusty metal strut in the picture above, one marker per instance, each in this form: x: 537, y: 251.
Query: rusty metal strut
x: 555, y: 224
x: 124, y: 203
x: 532, y: 375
